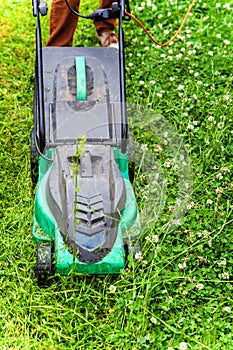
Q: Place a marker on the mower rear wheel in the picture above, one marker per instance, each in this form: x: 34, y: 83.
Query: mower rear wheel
x: 44, y: 263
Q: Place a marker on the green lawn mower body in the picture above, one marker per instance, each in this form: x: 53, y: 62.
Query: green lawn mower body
x: 85, y: 213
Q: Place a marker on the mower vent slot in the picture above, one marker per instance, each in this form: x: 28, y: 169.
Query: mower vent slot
x: 90, y: 211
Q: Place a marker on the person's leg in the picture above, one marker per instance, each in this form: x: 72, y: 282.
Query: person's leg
x: 105, y: 29
x: 62, y: 23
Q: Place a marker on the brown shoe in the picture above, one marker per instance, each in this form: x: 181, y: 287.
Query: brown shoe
x: 108, y: 39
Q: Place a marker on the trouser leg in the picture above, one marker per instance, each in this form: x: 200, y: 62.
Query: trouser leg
x: 62, y: 23
x: 107, y: 25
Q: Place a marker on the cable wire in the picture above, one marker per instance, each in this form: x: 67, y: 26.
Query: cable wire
x: 174, y: 36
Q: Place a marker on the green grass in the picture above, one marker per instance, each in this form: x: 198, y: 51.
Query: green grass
x: 179, y: 294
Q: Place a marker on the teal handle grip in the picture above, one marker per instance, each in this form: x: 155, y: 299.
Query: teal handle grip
x: 81, y: 85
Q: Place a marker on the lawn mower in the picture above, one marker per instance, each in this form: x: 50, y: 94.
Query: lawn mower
x: 85, y: 213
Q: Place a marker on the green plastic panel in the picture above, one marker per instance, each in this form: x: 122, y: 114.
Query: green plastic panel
x: 45, y: 227
x: 81, y: 85
x: 113, y: 263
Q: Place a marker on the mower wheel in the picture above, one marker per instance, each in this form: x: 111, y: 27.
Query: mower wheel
x: 44, y: 263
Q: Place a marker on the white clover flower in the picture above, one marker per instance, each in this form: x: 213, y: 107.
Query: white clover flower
x: 159, y: 94
x: 227, y: 6
x: 153, y: 320
x: 210, y: 118
x: 229, y: 25
x: 209, y: 201
x: 219, y: 190
x: 220, y: 125
x: 222, y: 263
x: 171, y: 78
x: 225, y: 170
x: 226, y: 309
x: 166, y: 32
x: 183, y: 346
x: 155, y: 238
x: 225, y: 275
x: 219, y: 176
x: 226, y: 42
x: 196, y: 74
x: 144, y: 147
x: 163, y: 55
x: 141, y: 82
x: 218, y: 5
x: 190, y: 127
x: 180, y: 87
x: 147, y: 48
x: 218, y: 36
x: 210, y: 53
x: 190, y: 205
x: 179, y: 56
x: 130, y: 64
x: 169, y: 299
x: 112, y: 289
x: 158, y: 149
x: 182, y: 265
x: 147, y: 337
x: 138, y: 256
x: 167, y: 164
x: 227, y: 97
x: 199, y: 286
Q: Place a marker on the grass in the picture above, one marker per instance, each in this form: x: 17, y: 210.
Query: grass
x: 178, y: 295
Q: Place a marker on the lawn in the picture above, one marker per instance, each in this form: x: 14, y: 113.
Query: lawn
x: 178, y: 293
